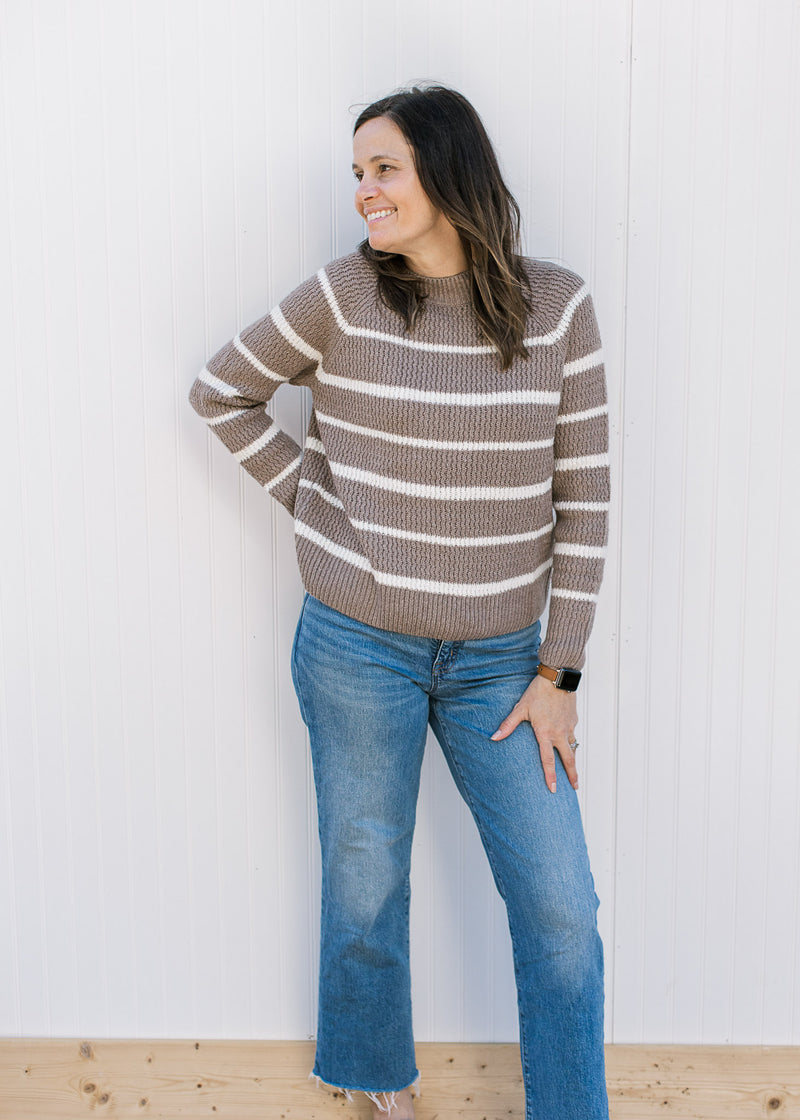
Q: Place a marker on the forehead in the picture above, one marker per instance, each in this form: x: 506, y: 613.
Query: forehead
x: 379, y: 138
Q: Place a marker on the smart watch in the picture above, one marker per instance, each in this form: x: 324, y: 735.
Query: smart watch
x: 568, y: 679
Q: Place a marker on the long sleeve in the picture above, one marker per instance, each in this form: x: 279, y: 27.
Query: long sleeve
x: 234, y: 386
x: 581, y: 491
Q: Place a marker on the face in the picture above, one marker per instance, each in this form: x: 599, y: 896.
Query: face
x: 400, y: 217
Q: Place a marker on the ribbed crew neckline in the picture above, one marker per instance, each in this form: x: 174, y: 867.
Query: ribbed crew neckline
x: 453, y: 291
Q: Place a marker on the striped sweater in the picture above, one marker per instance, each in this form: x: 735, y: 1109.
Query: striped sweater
x: 435, y: 494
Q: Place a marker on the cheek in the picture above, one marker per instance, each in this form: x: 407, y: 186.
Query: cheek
x: 428, y: 212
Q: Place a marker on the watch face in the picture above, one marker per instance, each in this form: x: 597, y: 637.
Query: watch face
x: 568, y: 679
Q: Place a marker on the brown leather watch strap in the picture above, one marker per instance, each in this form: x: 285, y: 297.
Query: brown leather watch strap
x: 566, y: 679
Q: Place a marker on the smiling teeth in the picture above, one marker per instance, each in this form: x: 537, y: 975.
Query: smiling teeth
x: 378, y: 214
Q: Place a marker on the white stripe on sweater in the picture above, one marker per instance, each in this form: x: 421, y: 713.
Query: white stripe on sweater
x: 585, y: 551
x: 439, y: 444
x: 365, y: 332
x: 587, y: 414
x: 440, y: 348
x: 284, y: 473
x: 580, y: 365
x: 430, y: 538
x: 582, y: 463
x: 222, y: 387
x: 562, y: 327
x: 438, y: 493
x: 254, y: 361
x: 434, y: 587
x: 565, y: 593
x: 430, y: 396
x: 323, y: 493
x: 257, y: 444
x: 226, y: 416
x: 598, y: 507
x: 453, y: 542
x: 292, y: 337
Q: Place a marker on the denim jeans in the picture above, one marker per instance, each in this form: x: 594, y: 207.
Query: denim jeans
x: 367, y: 696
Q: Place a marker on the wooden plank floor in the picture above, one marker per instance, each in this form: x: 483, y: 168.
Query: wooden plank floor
x: 66, y: 1079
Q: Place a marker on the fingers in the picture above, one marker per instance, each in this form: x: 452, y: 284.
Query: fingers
x: 511, y: 721
x: 549, y: 743
x: 568, y: 758
x: 547, y: 755
x: 547, y: 749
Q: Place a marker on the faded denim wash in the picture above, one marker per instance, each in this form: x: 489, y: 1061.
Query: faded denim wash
x: 367, y: 696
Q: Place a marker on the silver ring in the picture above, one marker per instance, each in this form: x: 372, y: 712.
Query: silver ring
x: 575, y: 744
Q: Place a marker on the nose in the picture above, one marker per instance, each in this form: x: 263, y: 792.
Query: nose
x: 366, y: 189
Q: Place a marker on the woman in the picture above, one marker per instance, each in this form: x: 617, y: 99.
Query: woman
x: 459, y: 410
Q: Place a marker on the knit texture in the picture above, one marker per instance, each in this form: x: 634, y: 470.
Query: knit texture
x: 435, y: 494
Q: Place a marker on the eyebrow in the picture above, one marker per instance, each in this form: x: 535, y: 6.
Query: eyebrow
x: 374, y: 159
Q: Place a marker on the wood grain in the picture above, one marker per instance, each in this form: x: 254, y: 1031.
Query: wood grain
x: 66, y: 1079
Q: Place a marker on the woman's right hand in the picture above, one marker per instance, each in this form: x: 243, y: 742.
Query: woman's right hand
x: 553, y: 714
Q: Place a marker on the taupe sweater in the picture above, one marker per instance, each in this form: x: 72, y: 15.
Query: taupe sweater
x: 436, y: 494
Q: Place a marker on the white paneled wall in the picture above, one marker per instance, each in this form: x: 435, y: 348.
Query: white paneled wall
x: 170, y: 171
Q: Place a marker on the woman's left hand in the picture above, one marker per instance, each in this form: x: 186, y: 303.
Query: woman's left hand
x: 553, y: 715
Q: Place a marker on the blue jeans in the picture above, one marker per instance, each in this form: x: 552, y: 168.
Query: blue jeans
x: 367, y: 696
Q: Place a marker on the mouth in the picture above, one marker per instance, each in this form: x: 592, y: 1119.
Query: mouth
x: 378, y: 215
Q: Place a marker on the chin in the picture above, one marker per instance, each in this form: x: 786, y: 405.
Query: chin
x: 383, y: 245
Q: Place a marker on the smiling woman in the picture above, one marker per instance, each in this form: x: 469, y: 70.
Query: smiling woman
x: 400, y: 217
x: 455, y: 468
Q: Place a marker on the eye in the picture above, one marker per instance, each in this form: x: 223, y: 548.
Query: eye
x: 358, y: 175
x: 384, y: 167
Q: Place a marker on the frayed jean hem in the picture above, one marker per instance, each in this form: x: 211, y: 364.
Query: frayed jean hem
x: 388, y: 1095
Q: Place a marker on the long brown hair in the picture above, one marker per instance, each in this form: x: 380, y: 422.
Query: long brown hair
x: 459, y: 172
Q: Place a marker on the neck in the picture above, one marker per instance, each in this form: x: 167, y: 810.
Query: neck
x: 445, y: 258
